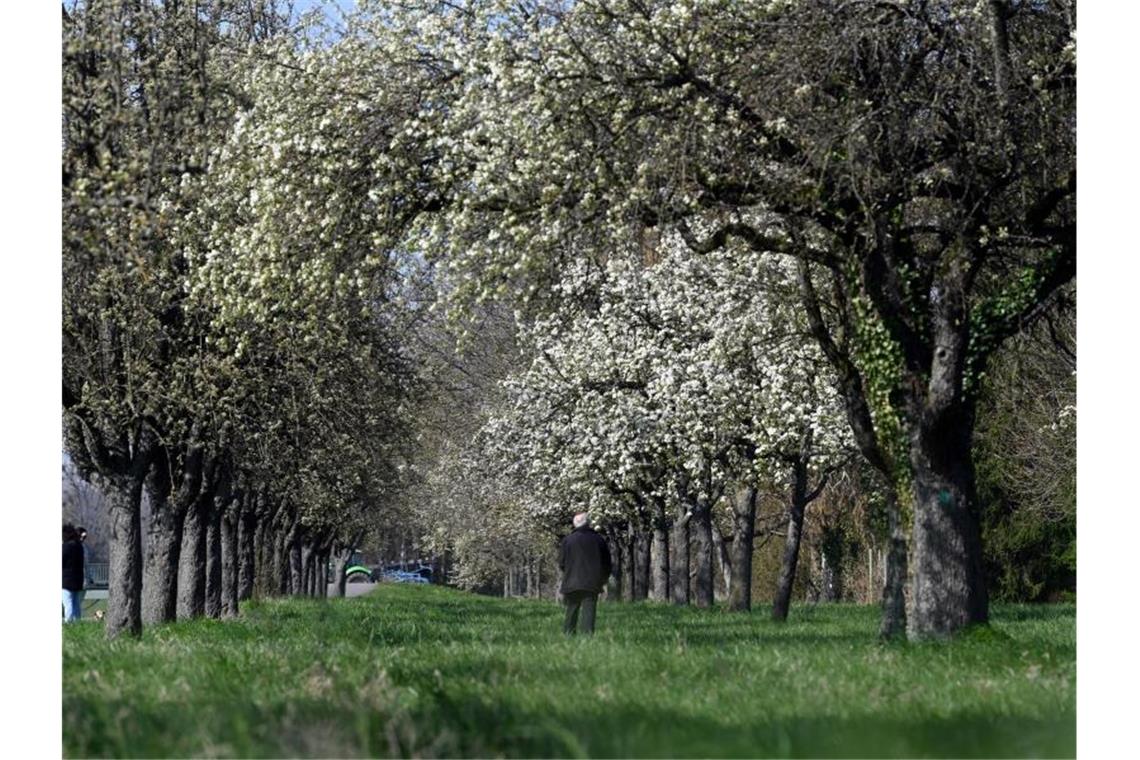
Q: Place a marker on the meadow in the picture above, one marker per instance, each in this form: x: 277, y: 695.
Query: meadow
x: 429, y: 671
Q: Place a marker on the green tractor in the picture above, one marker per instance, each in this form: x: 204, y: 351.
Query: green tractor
x: 355, y: 572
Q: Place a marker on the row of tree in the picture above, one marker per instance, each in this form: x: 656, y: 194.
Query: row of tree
x: 910, y: 165
x: 232, y: 345
x: 732, y: 243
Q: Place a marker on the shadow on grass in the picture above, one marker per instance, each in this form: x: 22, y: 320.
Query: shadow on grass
x: 444, y: 726
x: 632, y: 730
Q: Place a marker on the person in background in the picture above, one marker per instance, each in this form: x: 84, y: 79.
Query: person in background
x: 585, y: 562
x: 88, y: 580
x: 72, y: 574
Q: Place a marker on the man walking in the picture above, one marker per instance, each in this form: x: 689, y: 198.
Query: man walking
x: 586, y: 565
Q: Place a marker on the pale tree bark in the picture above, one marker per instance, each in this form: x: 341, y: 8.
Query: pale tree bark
x: 703, y: 555
x: 660, y: 555
x: 722, y: 560
x: 743, y: 539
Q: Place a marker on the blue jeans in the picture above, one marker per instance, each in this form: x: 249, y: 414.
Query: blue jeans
x: 72, y: 605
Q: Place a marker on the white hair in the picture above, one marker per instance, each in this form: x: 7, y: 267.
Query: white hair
x: 582, y: 519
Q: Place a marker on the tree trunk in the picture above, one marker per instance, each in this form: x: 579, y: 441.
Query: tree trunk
x: 863, y: 428
x: 614, y: 585
x: 192, y: 562
x: 680, y: 564
x: 230, y: 561
x: 743, y: 539
x: 213, y: 596
x: 342, y: 559
x: 323, y: 574
x: 893, y: 618
x: 796, y: 506
x: 280, y: 585
x: 296, y: 586
x: 307, y: 569
x: 703, y: 546
x: 949, y: 590
x: 164, y: 539
x: 263, y: 540
x: 628, y: 569
x: 660, y: 556
x: 124, y: 580
x: 641, y: 565
x: 723, y: 561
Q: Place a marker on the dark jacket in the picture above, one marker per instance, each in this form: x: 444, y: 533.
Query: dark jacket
x: 585, y: 561
x: 73, y: 566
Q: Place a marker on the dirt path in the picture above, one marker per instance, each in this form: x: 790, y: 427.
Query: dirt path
x: 353, y: 589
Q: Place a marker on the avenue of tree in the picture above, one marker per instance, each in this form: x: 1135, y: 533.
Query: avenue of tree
x: 460, y: 269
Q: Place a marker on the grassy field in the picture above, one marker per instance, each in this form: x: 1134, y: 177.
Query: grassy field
x: 414, y: 670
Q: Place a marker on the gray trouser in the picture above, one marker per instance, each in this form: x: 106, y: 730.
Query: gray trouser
x: 587, y: 602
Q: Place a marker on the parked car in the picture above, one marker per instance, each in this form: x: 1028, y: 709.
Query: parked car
x: 406, y: 576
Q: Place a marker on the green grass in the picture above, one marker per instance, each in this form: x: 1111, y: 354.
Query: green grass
x: 414, y: 670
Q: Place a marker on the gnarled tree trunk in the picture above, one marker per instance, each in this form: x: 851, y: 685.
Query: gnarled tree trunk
x: 124, y: 580
x: 164, y: 538
x: 949, y: 581
x: 192, y: 560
